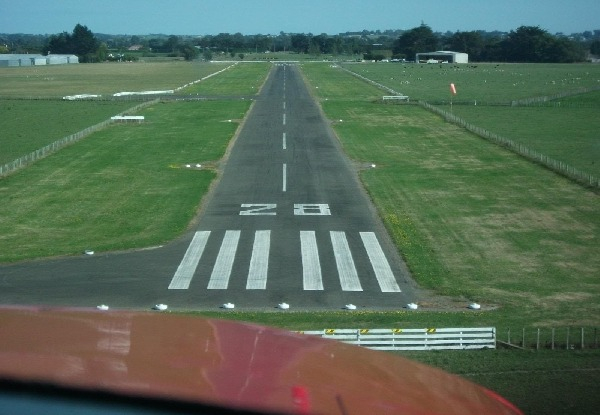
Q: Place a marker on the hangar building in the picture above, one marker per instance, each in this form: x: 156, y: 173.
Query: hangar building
x: 12, y: 60
x: 442, y: 56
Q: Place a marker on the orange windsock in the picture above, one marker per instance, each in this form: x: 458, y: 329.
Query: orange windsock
x: 453, y: 89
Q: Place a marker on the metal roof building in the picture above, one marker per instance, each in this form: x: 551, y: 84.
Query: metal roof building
x: 442, y: 56
x: 14, y: 60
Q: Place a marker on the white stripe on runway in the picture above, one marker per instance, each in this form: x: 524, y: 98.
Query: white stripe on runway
x: 311, y: 266
x: 219, y: 279
x: 383, y: 272
x: 259, y: 263
x: 284, y: 177
x: 345, y: 264
x: 185, y: 271
x: 283, y: 118
x: 284, y: 142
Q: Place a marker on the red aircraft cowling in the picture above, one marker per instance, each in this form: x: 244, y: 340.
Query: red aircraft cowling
x: 224, y: 364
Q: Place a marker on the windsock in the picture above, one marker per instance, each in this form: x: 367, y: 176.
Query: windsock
x: 453, y: 89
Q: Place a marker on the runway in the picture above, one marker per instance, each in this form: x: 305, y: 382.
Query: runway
x: 287, y: 222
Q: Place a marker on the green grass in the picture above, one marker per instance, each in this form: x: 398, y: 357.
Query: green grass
x: 122, y: 187
x: 241, y: 79
x: 543, y: 382
x: 101, y: 78
x: 484, y: 83
x: 28, y: 125
x: 567, y: 134
x: 471, y: 219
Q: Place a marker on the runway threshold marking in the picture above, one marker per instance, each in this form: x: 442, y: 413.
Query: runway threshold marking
x: 383, y: 272
x: 311, y: 266
x: 219, y: 279
x: 259, y: 262
x: 187, y: 267
x: 312, y: 277
x: 345, y: 264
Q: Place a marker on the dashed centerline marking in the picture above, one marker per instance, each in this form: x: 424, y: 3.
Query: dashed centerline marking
x: 284, y: 187
x: 284, y: 142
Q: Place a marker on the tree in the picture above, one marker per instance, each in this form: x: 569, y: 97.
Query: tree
x: 467, y: 42
x: 533, y: 44
x: 419, y: 39
x: 81, y: 42
x: 188, y: 51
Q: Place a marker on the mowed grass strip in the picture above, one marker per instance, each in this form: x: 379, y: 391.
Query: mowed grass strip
x: 569, y: 134
x: 123, y: 187
x: 101, y: 78
x: 28, y: 125
x: 472, y: 219
x: 237, y: 80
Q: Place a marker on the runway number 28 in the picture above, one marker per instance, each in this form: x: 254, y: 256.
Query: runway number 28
x: 300, y: 209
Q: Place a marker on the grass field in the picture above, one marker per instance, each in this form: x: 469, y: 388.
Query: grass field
x: 122, y: 187
x: 471, y: 219
x: 102, y: 78
x: 567, y: 132
x: 28, y: 125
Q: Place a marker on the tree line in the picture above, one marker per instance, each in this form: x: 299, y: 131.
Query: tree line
x: 525, y: 44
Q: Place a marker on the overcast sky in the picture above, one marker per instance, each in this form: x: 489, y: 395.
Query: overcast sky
x: 202, y: 17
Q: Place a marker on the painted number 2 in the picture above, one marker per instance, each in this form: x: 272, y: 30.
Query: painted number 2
x: 300, y: 209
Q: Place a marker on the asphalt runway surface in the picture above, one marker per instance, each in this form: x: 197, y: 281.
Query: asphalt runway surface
x: 288, y: 222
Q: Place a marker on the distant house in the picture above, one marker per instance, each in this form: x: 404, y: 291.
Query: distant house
x: 14, y: 60
x: 135, y: 47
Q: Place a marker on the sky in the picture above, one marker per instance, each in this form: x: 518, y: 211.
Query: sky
x: 250, y: 17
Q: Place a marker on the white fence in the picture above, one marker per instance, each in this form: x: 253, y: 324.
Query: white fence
x: 413, y: 339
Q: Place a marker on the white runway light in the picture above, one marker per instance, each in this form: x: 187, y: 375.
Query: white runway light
x: 160, y: 307
x: 412, y: 306
x: 284, y: 306
x: 229, y: 306
x: 474, y: 306
x: 102, y: 307
x: 89, y: 252
x: 350, y: 307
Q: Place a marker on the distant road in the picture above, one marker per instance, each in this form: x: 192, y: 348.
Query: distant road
x: 287, y: 222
